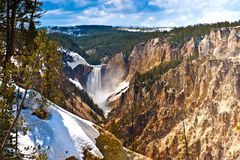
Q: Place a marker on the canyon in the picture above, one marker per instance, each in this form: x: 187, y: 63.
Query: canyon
x: 119, y: 80
x: 191, y: 111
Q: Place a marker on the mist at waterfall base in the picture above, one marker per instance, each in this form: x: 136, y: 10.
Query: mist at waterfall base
x: 99, y: 92
x: 94, y: 87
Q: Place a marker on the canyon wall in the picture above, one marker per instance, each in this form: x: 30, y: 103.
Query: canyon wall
x: 193, y: 110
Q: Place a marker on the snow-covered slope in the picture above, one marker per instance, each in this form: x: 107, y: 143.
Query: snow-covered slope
x: 76, y: 83
x: 76, y: 59
x: 62, y: 134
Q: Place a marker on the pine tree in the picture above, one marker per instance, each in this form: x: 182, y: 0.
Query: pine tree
x: 51, y: 62
x: 40, y: 70
x: 11, y: 12
x: 6, y: 87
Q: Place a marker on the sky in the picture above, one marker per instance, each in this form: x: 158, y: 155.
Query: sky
x: 144, y: 13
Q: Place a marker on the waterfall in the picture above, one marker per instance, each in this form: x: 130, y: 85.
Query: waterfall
x: 94, y: 81
x: 95, y: 90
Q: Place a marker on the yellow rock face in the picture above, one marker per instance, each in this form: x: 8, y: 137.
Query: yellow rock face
x: 192, y: 111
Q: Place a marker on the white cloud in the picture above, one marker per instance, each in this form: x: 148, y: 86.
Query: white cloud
x: 57, y: 12
x: 94, y: 12
x: 221, y: 15
x: 81, y: 3
x: 119, y: 5
x: 170, y: 13
x: 185, y: 12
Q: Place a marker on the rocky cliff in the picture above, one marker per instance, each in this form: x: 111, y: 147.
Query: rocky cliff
x: 115, y: 71
x: 152, y: 53
x: 191, y: 111
x: 78, y: 102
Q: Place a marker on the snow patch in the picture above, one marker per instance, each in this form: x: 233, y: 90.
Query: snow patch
x: 77, y: 59
x: 160, y: 29
x: 62, y: 134
x: 15, y: 62
x: 76, y: 83
x: 122, y: 88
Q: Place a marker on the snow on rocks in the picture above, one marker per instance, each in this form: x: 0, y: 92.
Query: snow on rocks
x: 122, y: 88
x: 76, y: 58
x: 76, y: 83
x: 62, y: 134
x: 160, y: 29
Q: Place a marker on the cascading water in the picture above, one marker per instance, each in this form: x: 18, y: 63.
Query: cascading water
x: 99, y: 93
x: 95, y: 90
x: 94, y: 81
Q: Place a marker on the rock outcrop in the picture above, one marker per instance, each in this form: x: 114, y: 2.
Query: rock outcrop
x: 152, y: 53
x: 221, y: 43
x: 75, y: 103
x: 115, y: 71
x: 192, y: 111
x: 112, y: 148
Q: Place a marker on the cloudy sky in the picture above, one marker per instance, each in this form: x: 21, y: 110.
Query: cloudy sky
x: 148, y: 13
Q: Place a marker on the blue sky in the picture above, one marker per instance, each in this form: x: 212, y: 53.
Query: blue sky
x: 146, y: 13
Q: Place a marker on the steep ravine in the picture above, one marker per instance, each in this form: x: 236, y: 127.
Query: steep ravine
x: 191, y: 111
x: 99, y: 81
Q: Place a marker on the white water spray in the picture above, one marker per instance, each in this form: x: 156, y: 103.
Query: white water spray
x: 94, y: 81
x: 99, y: 91
x: 95, y: 90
